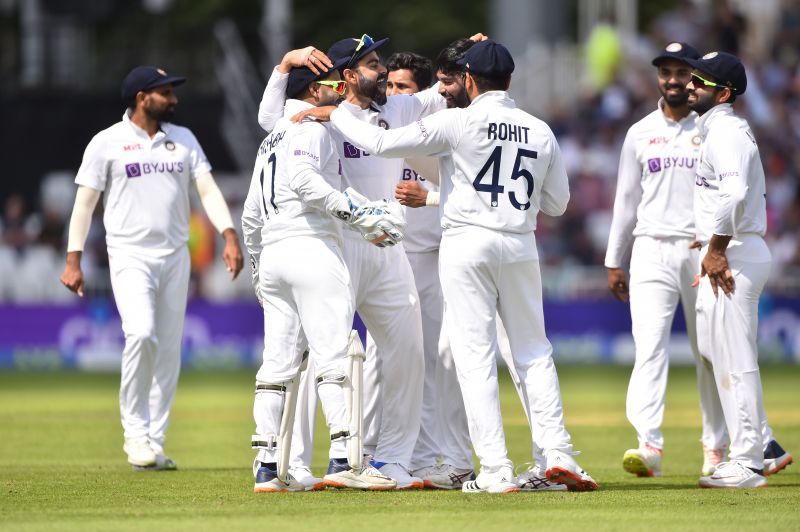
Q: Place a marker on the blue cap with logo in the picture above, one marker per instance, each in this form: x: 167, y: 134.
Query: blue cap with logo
x: 144, y: 78
x: 680, y: 51
x: 488, y: 58
x: 345, y: 49
x: 726, y: 69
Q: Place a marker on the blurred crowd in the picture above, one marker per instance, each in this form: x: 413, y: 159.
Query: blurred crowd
x: 621, y: 90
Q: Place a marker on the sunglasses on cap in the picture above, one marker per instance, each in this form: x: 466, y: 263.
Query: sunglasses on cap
x: 339, y: 87
x: 707, y: 83
x: 365, y: 42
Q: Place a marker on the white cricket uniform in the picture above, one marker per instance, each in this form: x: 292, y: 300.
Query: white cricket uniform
x: 730, y: 199
x: 383, y: 282
x: 499, y: 167
x: 653, y: 207
x: 146, y: 200
x: 303, y: 280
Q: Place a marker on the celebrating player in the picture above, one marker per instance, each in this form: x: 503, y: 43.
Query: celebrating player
x: 300, y: 278
x: 731, y: 220
x: 654, y: 206
x: 144, y: 164
x: 488, y: 257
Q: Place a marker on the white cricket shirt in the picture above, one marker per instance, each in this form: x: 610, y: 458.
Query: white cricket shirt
x: 655, y: 182
x: 424, y: 229
x: 730, y: 191
x: 499, y: 166
x: 145, y: 183
x: 296, y: 173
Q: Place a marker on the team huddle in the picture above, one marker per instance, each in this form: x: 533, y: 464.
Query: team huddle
x: 416, y: 206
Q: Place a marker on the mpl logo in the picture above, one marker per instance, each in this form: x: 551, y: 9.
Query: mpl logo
x: 654, y: 164
x: 133, y: 170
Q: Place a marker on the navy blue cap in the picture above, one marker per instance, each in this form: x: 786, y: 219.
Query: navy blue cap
x: 345, y: 48
x: 726, y: 69
x: 680, y: 51
x: 488, y: 58
x: 300, y: 77
x: 144, y: 78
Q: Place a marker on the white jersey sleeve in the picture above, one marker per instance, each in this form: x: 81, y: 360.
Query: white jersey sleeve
x: 198, y: 163
x: 555, y: 188
x: 731, y: 159
x: 309, y: 145
x: 95, y: 166
x: 436, y: 134
x: 270, y: 110
x: 626, y: 201
x: 252, y: 214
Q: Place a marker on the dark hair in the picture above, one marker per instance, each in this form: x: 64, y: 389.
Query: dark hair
x: 421, y: 67
x: 486, y: 83
x: 446, y: 60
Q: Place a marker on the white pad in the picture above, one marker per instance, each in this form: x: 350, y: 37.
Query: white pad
x: 354, y: 400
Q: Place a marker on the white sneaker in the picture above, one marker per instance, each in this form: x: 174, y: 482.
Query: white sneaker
x: 534, y: 479
x: 163, y: 463
x: 139, y: 452
x: 304, y: 476
x: 563, y: 469
x: 712, y: 458
x: 368, y: 479
x: 443, y: 476
x: 400, y: 474
x: 267, y: 481
x: 501, y: 481
x: 643, y: 462
x: 733, y: 475
x: 775, y: 458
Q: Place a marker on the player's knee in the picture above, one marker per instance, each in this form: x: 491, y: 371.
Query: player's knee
x: 145, y: 340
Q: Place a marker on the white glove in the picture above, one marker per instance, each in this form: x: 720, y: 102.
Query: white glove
x: 254, y: 279
x: 375, y: 219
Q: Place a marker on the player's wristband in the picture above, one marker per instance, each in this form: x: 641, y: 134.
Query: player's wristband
x: 432, y: 199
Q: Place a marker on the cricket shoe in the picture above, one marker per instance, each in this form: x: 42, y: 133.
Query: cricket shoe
x: 163, y: 463
x: 139, y: 452
x: 443, y: 476
x: 534, y: 479
x: 405, y: 481
x: 303, y: 475
x: 712, y: 458
x: 563, y: 469
x: 501, y: 481
x: 267, y: 481
x: 733, y: 475
x: 643, y: 462
x: 775, y: 458
x: 341, y: 475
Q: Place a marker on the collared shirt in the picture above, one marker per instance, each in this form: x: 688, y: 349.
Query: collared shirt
x: 145, y: 183
x: 730, y: 191
x: 296, y: 174
x: 655, y: 182
x: 499, y: 166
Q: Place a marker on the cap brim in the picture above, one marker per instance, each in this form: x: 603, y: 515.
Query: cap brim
x: 660, y: 58
x: 374, y: 46
x: 169, y: 80
x: 696, y: 64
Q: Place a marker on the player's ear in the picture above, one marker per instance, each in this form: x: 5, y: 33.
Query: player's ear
x: 349, y: 75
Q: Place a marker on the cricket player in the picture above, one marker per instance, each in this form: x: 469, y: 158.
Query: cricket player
x: 383, y: 282
x: 499, y: 167
x: 143, y: 166
x: 653, y: 208
x: 300, y: 278
x: 731, y: 221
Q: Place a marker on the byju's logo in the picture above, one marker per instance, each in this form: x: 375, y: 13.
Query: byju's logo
x: 351, y: 152
x: 133, y: 170
x: 654, y: 165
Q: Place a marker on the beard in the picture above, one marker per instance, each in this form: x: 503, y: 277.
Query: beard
x: 458, y: 100
x: 701, y: 104
x: 675, y: 100
x: 161, y: 115
x: 373, y: 89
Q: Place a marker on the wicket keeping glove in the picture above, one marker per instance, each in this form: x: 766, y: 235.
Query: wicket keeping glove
x: 374, y: 219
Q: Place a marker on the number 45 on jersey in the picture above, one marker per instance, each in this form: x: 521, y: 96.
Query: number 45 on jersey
x: 495, y: 188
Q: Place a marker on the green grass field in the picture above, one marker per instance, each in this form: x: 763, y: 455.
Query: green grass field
x: 62, y: 465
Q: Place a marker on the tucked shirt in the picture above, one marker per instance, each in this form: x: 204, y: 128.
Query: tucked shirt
x: 145, y: 183
x: 730, y: 191
x: 655, y: 182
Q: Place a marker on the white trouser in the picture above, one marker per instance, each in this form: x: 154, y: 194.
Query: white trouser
x: 387, y: 301
x: 443, y: 431
x: 726, y: 335
x: 485, y: 272
x: 662, y: 272
x: 151, y: 298
x: 307, y: 302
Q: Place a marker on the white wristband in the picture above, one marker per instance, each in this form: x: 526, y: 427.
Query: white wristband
x: 432, y: 200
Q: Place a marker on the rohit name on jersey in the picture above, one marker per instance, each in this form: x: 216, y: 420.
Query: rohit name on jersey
x: 509, y: 132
